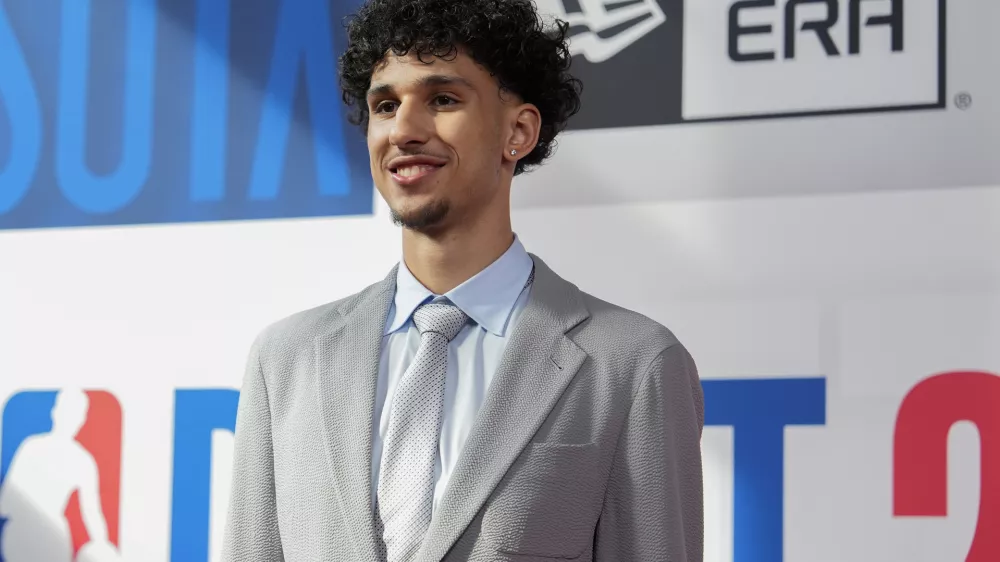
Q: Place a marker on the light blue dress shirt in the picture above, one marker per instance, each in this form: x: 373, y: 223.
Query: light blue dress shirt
x: 493, y: 300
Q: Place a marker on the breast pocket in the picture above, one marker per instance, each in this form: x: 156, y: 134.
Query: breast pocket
x: 548, y: 503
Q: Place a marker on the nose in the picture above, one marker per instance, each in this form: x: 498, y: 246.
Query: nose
x: 411, y: 125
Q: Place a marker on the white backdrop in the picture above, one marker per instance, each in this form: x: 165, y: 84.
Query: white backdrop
x: 874, y: 292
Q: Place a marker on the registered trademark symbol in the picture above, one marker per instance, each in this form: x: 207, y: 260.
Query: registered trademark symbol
x: 963, y: 100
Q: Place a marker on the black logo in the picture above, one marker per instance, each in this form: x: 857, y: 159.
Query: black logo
x: 662, y: 62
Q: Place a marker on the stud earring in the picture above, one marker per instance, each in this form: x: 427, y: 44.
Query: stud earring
x: 513, y: 152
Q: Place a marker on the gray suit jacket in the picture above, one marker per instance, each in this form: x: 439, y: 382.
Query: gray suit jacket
x: 587, y: 447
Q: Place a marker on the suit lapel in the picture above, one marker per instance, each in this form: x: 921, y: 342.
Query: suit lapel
x: 538, y: 364
x: 347, y: 366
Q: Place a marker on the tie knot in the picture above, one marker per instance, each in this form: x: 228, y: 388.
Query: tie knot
x: 440, y: 318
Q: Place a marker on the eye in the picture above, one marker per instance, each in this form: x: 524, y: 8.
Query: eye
x: 443, y: 99
x: 385, y: 106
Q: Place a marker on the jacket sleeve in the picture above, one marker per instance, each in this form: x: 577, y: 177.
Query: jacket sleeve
x: 654, y: 506
x: 252, y: 523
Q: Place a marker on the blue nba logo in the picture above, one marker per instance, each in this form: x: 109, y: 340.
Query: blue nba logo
x: 60, y: 466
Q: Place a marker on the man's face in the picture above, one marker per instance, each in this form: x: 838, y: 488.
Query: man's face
x: 436, y: 137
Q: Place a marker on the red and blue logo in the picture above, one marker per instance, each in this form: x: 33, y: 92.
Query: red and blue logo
x: 62, y: 451
x: 60, y: 462
x: 60, y: 467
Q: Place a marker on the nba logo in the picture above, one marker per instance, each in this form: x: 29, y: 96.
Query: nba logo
x: 60, y: 465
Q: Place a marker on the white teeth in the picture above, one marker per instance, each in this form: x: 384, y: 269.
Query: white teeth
x: 407, y: 171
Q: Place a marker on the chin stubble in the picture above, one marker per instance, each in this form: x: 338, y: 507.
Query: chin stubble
x: 422, y: 219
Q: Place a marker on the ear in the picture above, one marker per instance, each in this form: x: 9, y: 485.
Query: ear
x: 525, y: 125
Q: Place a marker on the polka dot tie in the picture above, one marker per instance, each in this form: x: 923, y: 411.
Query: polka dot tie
x: 406, y: 477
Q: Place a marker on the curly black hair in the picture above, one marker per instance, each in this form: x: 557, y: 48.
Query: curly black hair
x: 507, y: 37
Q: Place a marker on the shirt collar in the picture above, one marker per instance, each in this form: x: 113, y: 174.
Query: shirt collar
x: 488, y: 297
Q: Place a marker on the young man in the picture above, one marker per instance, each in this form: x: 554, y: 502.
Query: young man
x: 472, y: 405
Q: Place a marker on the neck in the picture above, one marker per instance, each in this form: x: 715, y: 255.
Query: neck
x: 446, y: 259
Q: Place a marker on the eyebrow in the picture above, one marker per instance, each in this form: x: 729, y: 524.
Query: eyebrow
x: 433, y: 80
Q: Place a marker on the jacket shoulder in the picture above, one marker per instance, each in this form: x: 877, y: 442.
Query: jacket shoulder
x: 303, y: 326
x: 627, y: 328
x: 623, y: 343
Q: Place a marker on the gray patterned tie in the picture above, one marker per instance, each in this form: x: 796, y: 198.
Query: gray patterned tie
x: 406, y: 476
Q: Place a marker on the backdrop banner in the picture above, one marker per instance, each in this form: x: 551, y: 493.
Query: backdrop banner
x: 807, y: 192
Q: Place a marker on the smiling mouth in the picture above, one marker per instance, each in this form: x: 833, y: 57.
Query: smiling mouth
x: 410, y: 174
